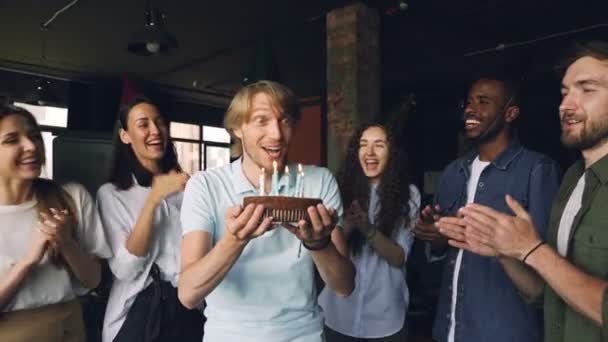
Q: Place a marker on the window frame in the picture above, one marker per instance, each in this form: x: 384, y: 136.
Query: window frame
x: 202, y: 160
x: 57, y: 131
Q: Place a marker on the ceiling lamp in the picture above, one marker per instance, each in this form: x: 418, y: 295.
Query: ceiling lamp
x: 40, y: 95
x: 153, y: 39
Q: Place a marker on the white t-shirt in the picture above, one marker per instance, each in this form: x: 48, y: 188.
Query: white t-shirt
x: 119, y: 211
x: 269, y: 293
x: 380, y: 300
x: 46, y: 283
x: 565, y: 223
x: 477, y: 168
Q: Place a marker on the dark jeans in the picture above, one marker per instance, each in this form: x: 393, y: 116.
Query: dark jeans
x: 158, y: 316
x: 334, y: 336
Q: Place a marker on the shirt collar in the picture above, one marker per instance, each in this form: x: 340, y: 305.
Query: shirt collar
x: 600, y: 169
x: 239, y: 180
x: 501, y: 162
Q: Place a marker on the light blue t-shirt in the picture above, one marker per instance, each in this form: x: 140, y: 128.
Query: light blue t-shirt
x: 269, y: 294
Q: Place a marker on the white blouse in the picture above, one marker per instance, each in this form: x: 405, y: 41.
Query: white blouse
x: 46, y: 283
x: 378, y: 305
x: 119, y: 211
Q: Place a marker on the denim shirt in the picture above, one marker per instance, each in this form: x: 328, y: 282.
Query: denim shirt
x: 489, y: 307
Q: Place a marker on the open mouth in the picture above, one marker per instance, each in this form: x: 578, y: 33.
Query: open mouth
x: 471, y: 123
x: 570, y: 123
x: 155, y: 143
x: 29, y: 161
x: 273, y: 151
x: 371, y: 164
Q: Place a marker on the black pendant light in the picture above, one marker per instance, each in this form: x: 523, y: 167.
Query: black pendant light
x: 41, y: 95
x: 153, y: 39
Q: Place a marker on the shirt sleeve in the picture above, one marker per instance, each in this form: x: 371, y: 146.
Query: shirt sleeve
x: 197, y: 206
x: 114, y: 217
x: 330, y: 194
x: 544, y: 184
x: 89, y: 231
x: 405, y: 238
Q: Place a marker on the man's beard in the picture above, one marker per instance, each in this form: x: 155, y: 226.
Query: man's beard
x: 490, y: 133
x: 592, y: 134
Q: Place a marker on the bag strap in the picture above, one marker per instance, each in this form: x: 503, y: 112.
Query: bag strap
x: 154, y: 321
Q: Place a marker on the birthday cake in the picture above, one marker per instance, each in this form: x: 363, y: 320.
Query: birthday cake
x: 283, y: 208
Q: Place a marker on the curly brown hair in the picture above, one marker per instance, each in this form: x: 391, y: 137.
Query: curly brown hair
x: 393, y: 188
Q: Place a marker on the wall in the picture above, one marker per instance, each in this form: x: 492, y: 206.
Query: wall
x: 307, y: 143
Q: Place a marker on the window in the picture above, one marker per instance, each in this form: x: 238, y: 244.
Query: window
x: 47, y: 116
x: 200, y: 147
x: 52, y: 121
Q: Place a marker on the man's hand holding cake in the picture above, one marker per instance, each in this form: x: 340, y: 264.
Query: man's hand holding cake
x: 247, y: 223
x: 316, y: 234
x: 258, y: 283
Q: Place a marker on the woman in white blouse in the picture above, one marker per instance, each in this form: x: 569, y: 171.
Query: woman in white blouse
x: 50, y: 242
x: 139, y: 209
x: 381, y: 207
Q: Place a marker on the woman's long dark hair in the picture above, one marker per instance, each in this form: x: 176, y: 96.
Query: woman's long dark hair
x: 125, y: 164
x: 393, y: 188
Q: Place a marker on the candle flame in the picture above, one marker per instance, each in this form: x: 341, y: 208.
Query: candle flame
x: 286, y: 169
x: 274, y: 165
x: 300, y: 168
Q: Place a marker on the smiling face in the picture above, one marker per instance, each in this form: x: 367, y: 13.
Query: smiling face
x: 487, y: 110
x: 265, y: 135
x: 584, y: 107
x: 147, y: 133
x: 373, y: 152
x: 21, y: 148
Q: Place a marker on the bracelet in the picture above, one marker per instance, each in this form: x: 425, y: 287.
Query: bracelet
x: 532, y: 251
x: 319, y: 245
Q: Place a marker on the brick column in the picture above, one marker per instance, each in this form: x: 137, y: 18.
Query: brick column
x: 353, y: 75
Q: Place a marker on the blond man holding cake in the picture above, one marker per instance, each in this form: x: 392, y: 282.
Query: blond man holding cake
x: 255, y: 274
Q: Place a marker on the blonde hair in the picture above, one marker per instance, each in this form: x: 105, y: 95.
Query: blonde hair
x: 239, y: 111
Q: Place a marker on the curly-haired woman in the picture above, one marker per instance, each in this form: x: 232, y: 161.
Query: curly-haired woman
x: 380, y: 209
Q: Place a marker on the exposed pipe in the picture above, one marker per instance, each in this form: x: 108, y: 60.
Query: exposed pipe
x: 42, y: 71
x: 46, y: 24
x: 501, y: 47
x: 243, y: 44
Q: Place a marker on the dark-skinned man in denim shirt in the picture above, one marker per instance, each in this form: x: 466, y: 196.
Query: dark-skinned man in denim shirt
x: 571, y: 264
x: 477, y: 301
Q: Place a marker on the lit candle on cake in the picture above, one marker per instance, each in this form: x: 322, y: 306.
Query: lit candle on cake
x: 275, y: 180
x: 262, y: 181
x: 298, y: 181
x: 302, y: 185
